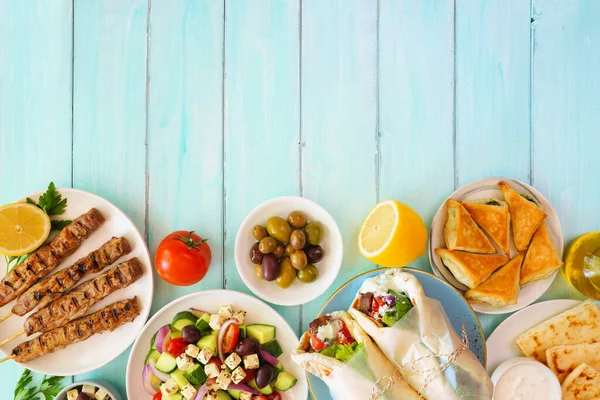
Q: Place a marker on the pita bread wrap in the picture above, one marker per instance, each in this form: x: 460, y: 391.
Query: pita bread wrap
x: 360, y: 375
x: 421, y: 341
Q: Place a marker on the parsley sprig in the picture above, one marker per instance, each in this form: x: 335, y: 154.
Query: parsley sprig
x: 48, y: 388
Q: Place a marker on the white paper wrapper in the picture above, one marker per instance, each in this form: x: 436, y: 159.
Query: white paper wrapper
x: 359, y: 377
x: 422, y: 342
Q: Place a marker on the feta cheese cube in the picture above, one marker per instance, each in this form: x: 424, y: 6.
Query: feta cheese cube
x: 168, y: 388
x: 184, y: 362
x: 226, y: 311
x: 211, y: 370
x: 212, y: 395
x: 251, y: 361
x: 245, y: 396
x: 188, y: 391
x: 238, y: 375
x: 233, y: 361
x: 192, y: 350
x: 211, y: 384
x: 204, y: 355
x: 216, y: 321
x: 240, y: 316
x: 224, y: 380
x: 89, y: 389
x: 102, y: 394
x: 72, y: 394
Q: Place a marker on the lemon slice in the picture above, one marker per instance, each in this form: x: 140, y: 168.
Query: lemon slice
x: 392, y: 235
x: 23, y: 228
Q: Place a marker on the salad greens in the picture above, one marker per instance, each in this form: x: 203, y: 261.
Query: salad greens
x: 342, y: 352
x: 48, y: 388
x: 403, y: 305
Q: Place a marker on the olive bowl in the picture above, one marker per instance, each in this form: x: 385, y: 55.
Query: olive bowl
x: 299, y: 292
x: 112, y: 392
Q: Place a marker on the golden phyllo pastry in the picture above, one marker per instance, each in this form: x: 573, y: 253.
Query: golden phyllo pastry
x: 470, y: 269
x: 462, y: 233
x: 501, y: 288
x: 525, y: 214
x: 493, y: 217
x: 541, y: 259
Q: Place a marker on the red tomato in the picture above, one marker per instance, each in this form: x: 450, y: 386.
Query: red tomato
x: 316, y: 343
x: 250, y: 374
x: 375, y: 304
x: 183, y: 258
x: 260, y: 397
x: 344, y: 336
x: 176, y: 346
x: 274, y: 396
x: 231, y: 338
x: 157, y: 396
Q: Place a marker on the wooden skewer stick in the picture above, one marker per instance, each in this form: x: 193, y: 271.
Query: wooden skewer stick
x: 16, y: 335
x: 7, y: 316
x: 7, y: 358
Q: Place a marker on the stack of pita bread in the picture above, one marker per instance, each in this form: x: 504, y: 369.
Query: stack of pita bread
x: 569, y: 344
x: 495, y: 278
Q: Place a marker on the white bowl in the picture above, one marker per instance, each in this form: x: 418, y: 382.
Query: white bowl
x: 531, y: 376
x: 112, y: 392
x: 329, y: 266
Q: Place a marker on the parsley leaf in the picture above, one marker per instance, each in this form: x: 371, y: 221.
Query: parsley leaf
x: 14, y: 260
x: 51, y: 201
x: 58, y: 224
x: 48, y: 388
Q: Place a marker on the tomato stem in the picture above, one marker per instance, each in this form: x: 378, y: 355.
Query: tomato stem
x: 190, y: 242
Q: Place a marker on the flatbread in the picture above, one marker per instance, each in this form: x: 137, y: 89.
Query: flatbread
x: 462, y: 233
x: 501, y: 288
x: 471, y: 269
x: 582, y: 384
x: 562, y: 360
x: 493, y: 217
x: 580, y: 324
x: 541, y: 259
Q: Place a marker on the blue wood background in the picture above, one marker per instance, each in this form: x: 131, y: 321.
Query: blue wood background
x: 189, y: 113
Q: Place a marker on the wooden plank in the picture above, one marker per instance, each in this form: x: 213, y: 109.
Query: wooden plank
x: 185, y: 131
x: 35, y: 109
x: 339, y: 120
x: 261, y: 115
x: 492, y: 89
x: 492, y: 95
x: 566, y: 116
x: 416, y: 105
x: 110, y: 114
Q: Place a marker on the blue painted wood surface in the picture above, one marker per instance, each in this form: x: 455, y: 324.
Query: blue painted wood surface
x: 189, y: 113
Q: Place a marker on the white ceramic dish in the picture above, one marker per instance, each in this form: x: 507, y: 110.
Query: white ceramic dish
x: 329, y: 266
x: 112, y: 392
x: 501, y: 344
x: 522, y: 373
x: 488, y: 188
x: 211, y: 300
x: 84, y: 357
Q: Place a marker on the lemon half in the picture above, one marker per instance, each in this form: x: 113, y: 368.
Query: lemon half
x: 23, y: 228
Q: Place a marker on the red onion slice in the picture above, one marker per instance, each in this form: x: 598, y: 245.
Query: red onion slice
x: 242, y: 387
x: 162, y: 338
x: 201, y: 392
x: 268, y: 357
x: 160, y: 375
x: 147, y: 376
x: 197, y: 312
x: 222, y: 335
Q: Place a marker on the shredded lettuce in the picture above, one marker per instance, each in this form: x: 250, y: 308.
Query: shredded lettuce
x: 403, y: 305
x: 342, y: 352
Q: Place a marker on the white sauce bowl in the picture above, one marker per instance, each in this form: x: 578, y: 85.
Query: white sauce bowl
x: 522, y: 378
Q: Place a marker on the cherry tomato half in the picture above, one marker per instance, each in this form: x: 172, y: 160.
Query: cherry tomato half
x: 344, y: 336
x: 316, y: 343
x: 183, y: 258
x: 274, y: 396
x: 260, y: 397
x: 250, y: 375
x: 157, y: 396
x: 176, y: 347
x: 231, y: 338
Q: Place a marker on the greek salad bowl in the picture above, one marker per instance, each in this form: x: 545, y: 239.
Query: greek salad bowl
x: 89, y: 390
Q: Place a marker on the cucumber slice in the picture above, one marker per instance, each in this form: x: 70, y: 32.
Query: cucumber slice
x: 166, y: 363
x: 179, y: 378
x: 183, y: 319
x: 234, y: 393
x: 262, y: 333
x: 284, y: 381
x: 277, y: 370
x: 153, y: 341
x: 175, y: 334
x: 174, y: 396
x: 152, y: 355
x: 202, y: 323
x: 243, y: 331
x: 196, y: 375
x: 267, y: 390
x: 222, y: 395
x: 208, y: 342
x: 273, y: 348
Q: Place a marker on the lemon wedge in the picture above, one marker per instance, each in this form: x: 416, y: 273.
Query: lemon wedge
x: 392, y: 235
x: 23, y: 228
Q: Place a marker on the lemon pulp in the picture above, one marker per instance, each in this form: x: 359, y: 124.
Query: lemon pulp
x: 23, y: 228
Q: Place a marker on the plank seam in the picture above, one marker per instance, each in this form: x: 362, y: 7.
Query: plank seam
x: 72, y: 93
x: 223, y: 156
x: 377, y: 135
x: 146, y: 156
x: 531, y: 131
x: 454, y: 140
x: 301, y: 145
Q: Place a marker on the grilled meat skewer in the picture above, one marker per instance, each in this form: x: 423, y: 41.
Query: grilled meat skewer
x: 108, y: 319
x: 49, y: 256
x: 79, y: 300
x: 53, y: 286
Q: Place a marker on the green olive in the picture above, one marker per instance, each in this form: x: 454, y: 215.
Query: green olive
x: 314, y: 232
x: 258, y: 272
x: 298, y: 259
x: 279, y: 251
x: 308, y: 274
x: 298, y: 239
x: 289, y: 249
x: 267, y: 245
x: 279, y: 229
x: 259, y: 232
x: 297, y: 219
x: 287, y: 275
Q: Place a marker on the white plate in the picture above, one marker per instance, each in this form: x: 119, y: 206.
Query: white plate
x: 329, y: 266
x: 488, y: 188
x: 210, y: 301
x: 86, y: 356
x: 501, y: 344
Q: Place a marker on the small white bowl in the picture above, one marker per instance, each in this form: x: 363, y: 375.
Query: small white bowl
x: 112, y: 392
x: 538, y: 375
x: 329, y: 266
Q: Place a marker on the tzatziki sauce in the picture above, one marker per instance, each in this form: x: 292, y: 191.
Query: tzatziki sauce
x: 527, y: 381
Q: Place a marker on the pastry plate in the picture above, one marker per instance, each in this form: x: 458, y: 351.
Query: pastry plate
x: 501, y: 343
x: 456, y: 307
x: 85, y: 356
x: 488, y: 188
